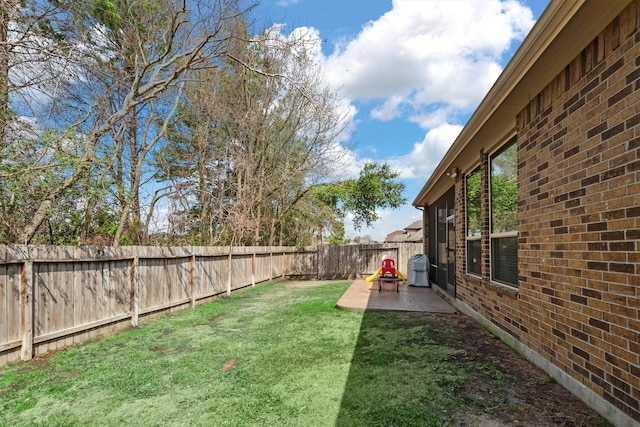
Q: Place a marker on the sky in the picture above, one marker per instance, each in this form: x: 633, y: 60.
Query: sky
x: 410, y: 73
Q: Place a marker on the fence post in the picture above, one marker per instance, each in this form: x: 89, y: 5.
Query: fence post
x: 229, y: 274
x: 135, y: 303
x: 26, y: 302
x: 192, y: 282
x: 253, y: 268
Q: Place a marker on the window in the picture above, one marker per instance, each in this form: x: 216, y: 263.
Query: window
x: 441, y: 237
x: 504, y: 207
x: 474, y: 249
x: 439, y: 257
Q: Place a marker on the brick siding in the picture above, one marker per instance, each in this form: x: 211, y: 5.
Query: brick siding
x: 578, y: 300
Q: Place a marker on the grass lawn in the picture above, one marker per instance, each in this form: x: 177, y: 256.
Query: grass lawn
x: 279, y: 354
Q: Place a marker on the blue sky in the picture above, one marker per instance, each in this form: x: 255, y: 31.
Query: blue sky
x: 411, y: 72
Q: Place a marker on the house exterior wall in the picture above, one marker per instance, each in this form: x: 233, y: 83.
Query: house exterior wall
x: 425, y: 231
x: 577, y: 304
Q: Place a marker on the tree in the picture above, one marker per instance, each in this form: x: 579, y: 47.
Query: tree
x: 504, y: 190
x: 27, y: 160
x: 375, y: 188
x: 241, y: 130
x: 6, y: 8
x: 473, y: 193
x: 92, y: 45
x: 249, y: 138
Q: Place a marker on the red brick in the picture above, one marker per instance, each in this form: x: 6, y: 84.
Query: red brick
x: 578, y: 220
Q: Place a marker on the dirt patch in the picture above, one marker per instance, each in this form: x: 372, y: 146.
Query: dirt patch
x: 228, y: 365
x: 507, y: 389
x: 39, y: 362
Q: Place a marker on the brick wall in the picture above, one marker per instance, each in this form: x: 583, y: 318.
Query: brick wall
x: 578, y: 300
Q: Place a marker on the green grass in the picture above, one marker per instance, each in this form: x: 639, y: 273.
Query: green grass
x: 271, y: 355
x: 275, y: 355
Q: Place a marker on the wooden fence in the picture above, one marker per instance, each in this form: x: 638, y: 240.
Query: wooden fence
x: 53, y: 297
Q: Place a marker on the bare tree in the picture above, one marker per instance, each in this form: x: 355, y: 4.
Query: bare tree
x: 240, y: 127
x: 6, y: 7
x: 260, y: 129
x: 114, y: 61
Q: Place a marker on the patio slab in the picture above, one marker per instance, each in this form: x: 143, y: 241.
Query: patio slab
x: 365, y: 296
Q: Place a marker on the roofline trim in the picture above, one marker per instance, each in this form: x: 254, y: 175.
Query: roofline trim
x: 552, y: 21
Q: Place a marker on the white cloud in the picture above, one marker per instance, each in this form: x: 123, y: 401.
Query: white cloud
x: 429, y: 63
x: 345, y: 163
x: 389, y: 110
x: 424, y: 52
x: 285, y: 3
x: 426, y: 154
x: 415, y: 166
x: 432, y: 119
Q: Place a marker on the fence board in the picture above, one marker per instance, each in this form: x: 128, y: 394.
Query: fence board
x: 6, y: 343
x: 84, y: 300
x: 67, y: 293
x: 263, y: 267
x: 303, y: 263
x: 210, y: 274
x: 41, y: 296
x: 52, y: 297
x: 371, y: 258
x: 10, y: 316
x: 241, y: 271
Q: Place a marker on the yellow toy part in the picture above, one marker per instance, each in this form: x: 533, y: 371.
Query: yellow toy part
x: 373, y: 276
x: 377, y: 273
x: 402, y: 276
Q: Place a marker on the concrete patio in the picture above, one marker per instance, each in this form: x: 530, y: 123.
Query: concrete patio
x: 365, y: 296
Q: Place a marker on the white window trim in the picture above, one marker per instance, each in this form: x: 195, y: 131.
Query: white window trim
x: 501, y: 234
x: 468, y: 238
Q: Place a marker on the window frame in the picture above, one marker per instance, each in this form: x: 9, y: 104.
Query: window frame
x: 496, y: 236
x: 472, y: 239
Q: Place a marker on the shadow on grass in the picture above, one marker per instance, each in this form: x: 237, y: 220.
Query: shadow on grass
x: 403, y: 372
x: 425, y: 369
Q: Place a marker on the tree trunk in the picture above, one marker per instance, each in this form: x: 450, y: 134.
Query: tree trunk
x: 5, y: 7
x: 121, y: 225
x: 132, y: 132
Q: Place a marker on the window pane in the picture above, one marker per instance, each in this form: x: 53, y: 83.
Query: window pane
x: 473, y: 256
x: 504, y: 190
x: 473, y: 204
x: 433, y: 234
x: 441, y: 258
x: 504, y: 260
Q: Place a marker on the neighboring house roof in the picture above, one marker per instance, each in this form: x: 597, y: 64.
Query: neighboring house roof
x: 414, y: 226
x: 395, y: 236
x: 411, y: 233
x: 415, y: 236
x: 562, y: 32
